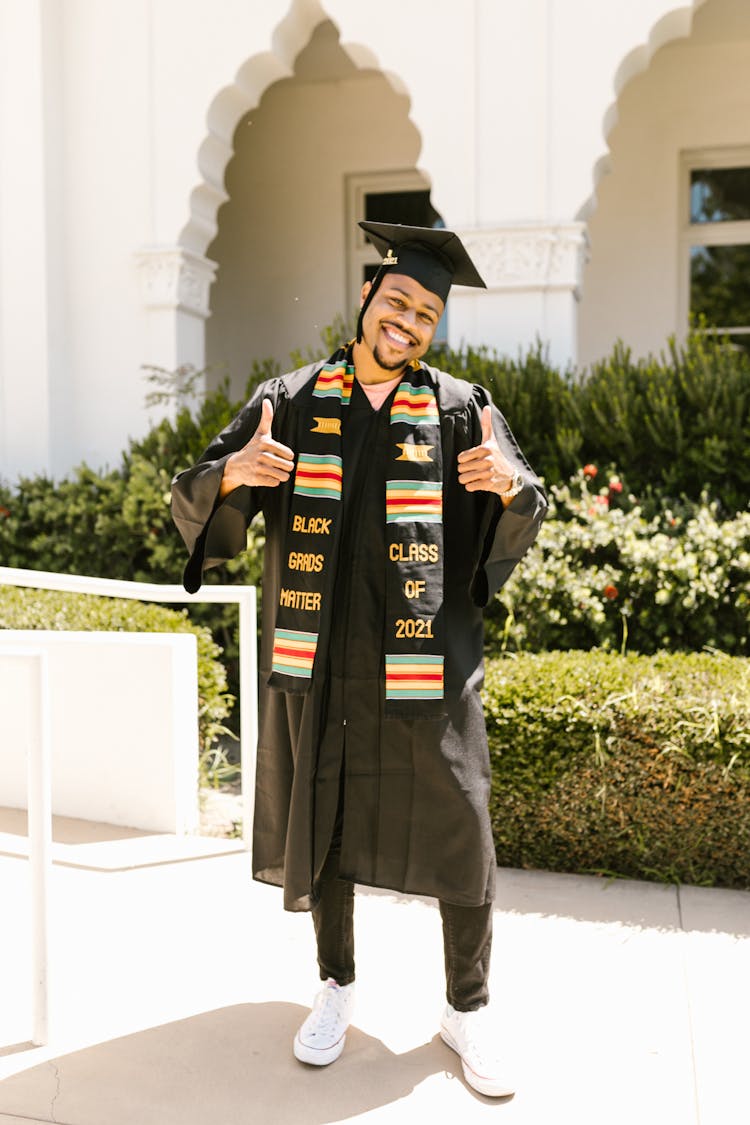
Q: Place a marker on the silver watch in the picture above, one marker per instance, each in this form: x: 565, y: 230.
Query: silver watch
x: 516, y: 484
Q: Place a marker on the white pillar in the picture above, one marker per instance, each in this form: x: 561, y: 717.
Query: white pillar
x: 30, y: 208
x: 175, y: 288
x: 533, y: 275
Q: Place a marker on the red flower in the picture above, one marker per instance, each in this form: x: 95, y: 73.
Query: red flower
x: 590, y: 471
x: 611, y: 592
x: 4, y: 511
x: 615, y: 485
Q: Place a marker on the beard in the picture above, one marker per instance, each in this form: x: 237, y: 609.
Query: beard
x: 395, y: 365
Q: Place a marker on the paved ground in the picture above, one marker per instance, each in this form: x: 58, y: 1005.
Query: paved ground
x: 177, y: 988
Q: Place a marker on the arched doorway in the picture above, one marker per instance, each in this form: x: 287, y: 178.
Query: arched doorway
x: 679, y: 122
x: 320, y: 149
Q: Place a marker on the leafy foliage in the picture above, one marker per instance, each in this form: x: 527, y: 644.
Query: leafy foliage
x: 636, y: 766
x: 605, y: 573
x: 677, y: 424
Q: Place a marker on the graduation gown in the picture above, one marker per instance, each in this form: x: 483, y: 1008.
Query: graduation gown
x: 415, y: 792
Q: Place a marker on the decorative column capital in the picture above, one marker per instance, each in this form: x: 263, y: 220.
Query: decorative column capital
x: 174, y: 278
x: 529, y: 256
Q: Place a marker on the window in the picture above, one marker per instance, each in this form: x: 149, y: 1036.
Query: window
x: 716, y: 242
x: 388, y: 197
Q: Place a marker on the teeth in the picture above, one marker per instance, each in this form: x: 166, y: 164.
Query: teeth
x: 397, y: 336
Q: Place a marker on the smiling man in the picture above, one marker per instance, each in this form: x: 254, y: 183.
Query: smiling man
x: 396, y: 503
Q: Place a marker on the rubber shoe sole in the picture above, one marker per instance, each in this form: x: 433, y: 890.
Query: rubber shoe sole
x: 317, y: 1056
x: 490, y: 1087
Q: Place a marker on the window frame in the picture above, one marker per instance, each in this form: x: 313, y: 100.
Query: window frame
x: 360, y: 252
x: 723, y: 233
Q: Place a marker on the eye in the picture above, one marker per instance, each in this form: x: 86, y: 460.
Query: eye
x: 427, y: 318
x: 396, y: 302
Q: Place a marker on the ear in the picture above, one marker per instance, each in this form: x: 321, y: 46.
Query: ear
x: 363, y: 292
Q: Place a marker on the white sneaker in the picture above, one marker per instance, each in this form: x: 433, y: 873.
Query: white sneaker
x: 470, y: 1035
x: 321, y: 1038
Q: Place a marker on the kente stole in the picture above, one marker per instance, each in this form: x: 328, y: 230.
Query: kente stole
x: 414, y: 656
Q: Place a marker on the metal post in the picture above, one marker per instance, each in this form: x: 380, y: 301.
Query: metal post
x: 248, y: 646
x: 40, y: 843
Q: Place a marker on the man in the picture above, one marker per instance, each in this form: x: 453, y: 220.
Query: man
x: 396, y: 502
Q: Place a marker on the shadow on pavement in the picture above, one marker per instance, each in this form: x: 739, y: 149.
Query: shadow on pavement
x: 233, y: 1065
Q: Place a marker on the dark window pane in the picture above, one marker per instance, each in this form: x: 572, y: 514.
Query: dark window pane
x: 412, y: 208
x: 719, y: 195
x: 720, y: 285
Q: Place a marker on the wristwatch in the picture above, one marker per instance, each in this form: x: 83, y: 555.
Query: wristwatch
x: 516, y: 484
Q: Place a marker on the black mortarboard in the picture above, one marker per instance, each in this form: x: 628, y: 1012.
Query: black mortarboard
x: 433, y: 256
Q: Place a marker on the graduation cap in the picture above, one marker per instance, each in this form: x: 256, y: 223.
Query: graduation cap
x: 433, y: 256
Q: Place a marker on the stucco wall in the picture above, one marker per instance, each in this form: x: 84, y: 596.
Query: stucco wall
x: 116, y: 130
x: 282, y: 242
x: 691, y: 97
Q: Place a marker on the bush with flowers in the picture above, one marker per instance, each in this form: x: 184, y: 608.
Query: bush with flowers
x: 614, y: 572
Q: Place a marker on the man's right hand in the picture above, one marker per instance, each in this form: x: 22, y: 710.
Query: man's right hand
x: 263, y: 462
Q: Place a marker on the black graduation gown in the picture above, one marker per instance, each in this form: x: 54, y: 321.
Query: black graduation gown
x: 415, y: 791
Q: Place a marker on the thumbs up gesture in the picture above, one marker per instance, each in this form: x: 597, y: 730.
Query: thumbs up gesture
x: 485, y: 467
x: 263, y: 462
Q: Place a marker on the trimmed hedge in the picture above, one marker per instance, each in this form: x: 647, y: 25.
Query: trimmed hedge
x: 22, y: 608
x: 633, y: 766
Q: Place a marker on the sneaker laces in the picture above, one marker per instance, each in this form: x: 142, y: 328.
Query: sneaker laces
x: 325, y: 1012
x: 479, y: 1039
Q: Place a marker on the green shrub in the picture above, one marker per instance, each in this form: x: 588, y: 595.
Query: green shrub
x: 604, y: 574
x: 635, y: 766
x: 22, y: 608
x: 678, y: 423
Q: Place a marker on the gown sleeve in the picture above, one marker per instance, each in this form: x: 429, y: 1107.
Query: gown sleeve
x: 215, y: 530
x: 506, y: 533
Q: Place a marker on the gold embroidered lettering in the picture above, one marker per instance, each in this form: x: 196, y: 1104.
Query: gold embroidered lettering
x: 299, y: 560
x: 414, y: 588
x: 299, y: 599
x: 414, y: 552
x: 410, y: 627
x: 412, y: 452
x: 312, y: 525
x: 327, y: 426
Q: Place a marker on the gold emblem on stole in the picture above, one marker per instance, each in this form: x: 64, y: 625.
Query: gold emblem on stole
x: 327, y: 426
x: 412, y: 452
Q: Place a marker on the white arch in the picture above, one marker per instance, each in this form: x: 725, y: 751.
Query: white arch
x: 232, y: 102
x: 676, y: 24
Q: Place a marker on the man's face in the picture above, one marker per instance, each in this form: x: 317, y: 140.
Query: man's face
x: 400, y: 321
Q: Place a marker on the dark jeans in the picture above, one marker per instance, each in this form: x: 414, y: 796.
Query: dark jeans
x: 467, y: 938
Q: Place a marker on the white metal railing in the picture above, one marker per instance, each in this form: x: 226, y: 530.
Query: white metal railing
x: 40, y: 750
x: 39, y: 768
x: 243, y: 596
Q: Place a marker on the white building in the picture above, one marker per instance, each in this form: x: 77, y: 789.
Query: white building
x: 181, y: 180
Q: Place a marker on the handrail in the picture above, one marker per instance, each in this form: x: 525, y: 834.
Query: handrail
x: 244, y: 596
x: 39, y: 779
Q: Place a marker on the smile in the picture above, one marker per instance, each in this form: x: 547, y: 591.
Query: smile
x: 397, y: 338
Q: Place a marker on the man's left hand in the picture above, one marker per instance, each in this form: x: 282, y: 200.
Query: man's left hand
x: 485, y: 467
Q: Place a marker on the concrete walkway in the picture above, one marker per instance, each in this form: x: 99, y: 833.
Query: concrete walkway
x: 178, y: 983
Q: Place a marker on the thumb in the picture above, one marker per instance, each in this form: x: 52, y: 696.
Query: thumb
x: 486, y: 424
x: 266, y: 417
